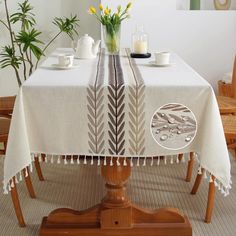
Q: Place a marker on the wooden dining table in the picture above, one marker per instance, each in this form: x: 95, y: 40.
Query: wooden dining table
x: 100, y: 111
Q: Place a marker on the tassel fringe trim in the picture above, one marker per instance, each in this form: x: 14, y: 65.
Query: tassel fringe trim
x: 99, y: 160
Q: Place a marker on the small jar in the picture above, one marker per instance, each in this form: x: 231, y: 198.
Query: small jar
x: 140, y: 41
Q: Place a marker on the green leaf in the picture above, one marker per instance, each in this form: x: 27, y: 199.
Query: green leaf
x: 67, y: 25
x: 8, y: 58
x: 29, y: 40
x: 24, y: 15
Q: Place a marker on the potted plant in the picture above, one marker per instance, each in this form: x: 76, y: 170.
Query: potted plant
x: 25, y: 49
x: 111, y: 22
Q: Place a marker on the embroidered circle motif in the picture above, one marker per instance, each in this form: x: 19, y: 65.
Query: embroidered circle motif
x: 173, y: 126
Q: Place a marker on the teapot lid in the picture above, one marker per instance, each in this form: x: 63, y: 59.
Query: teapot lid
x: 86, y: 39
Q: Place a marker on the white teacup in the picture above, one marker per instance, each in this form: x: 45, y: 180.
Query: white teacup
x: 65, y: 60
x: 162, y: 58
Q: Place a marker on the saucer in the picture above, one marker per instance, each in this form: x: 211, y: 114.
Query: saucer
x: 153, y: 63
x: 60, y: 67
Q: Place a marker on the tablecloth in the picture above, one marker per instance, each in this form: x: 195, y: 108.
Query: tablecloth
x: 104, y: 107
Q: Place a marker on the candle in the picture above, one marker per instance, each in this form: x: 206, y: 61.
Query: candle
x: 140, y: 47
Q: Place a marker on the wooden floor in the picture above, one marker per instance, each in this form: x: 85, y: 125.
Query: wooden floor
x: 151, y: 187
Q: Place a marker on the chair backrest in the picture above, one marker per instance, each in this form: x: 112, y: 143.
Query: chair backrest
x: 234, y: 79
x: 7, y: 105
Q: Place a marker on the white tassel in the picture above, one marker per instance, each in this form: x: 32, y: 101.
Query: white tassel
x: 222, y: 190
x: 59, y: 160
x: 105, y: 161
x: 183, y: 159
x: 117, y: 162
x: 188, y: 157
x: 125, y: 162
x: 12, y: 184
x: 211, y: 180
x: 205, y: 175
x: 32, y: 157
x: 216, y: 184
x: 226, y: 193
x: 131, y: 162
x: 85, y: 160
x: 137, y: 162
x: 158, y: 161
x: 199, y: 170
x: 16, y: 179
x: 65, y: 161
x: 165, y: 160
x: 26, y: 172
x: 52, y: 159
x: 72, y: 160
x: 99, y: 161
x: 78, y: 161
x: 151, y: 162
x: 111, y: 161
x: 171, y: 160
x: 177, y: 159
x: 9, y: 188
x: 144, y: 161
x: 40, y: 158
x: 20, y: 179
x: 46, y: 158
x: 91, y: 161
x: 219, y: 186
x: 5, y: 190
x: 31, y: 168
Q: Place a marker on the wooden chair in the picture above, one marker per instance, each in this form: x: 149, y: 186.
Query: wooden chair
x: 227, y: 104
x: 6, y: 110
x: 229, y: 124
x: 6, y: 106
x: 4, y: 129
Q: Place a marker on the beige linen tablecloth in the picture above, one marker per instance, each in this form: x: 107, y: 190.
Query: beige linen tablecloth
x: 105, y: 107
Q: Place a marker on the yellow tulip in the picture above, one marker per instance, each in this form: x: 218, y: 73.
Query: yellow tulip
x: 92, y: 10
x: 101, y: 7
x: 107, y: 11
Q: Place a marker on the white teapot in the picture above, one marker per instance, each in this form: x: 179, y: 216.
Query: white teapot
x: 87, y: 48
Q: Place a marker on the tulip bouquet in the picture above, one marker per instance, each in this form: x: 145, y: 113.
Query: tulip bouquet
x: 111, y: 22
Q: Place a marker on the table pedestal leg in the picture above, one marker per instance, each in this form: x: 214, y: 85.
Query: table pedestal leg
x: 116, y: 215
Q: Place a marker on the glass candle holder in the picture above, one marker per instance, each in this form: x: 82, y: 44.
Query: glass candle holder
x: 140, y: 41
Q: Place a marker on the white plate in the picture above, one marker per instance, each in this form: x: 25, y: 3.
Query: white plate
x: 153, y: 63
x: 57, y: 66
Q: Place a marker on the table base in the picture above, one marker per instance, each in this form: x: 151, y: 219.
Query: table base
x: 116, y: 215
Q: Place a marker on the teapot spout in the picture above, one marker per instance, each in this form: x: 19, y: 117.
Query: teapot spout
x: 96, y: 47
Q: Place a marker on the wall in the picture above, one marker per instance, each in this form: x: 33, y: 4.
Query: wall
x: 45, y: 11
x: 205, y: 39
